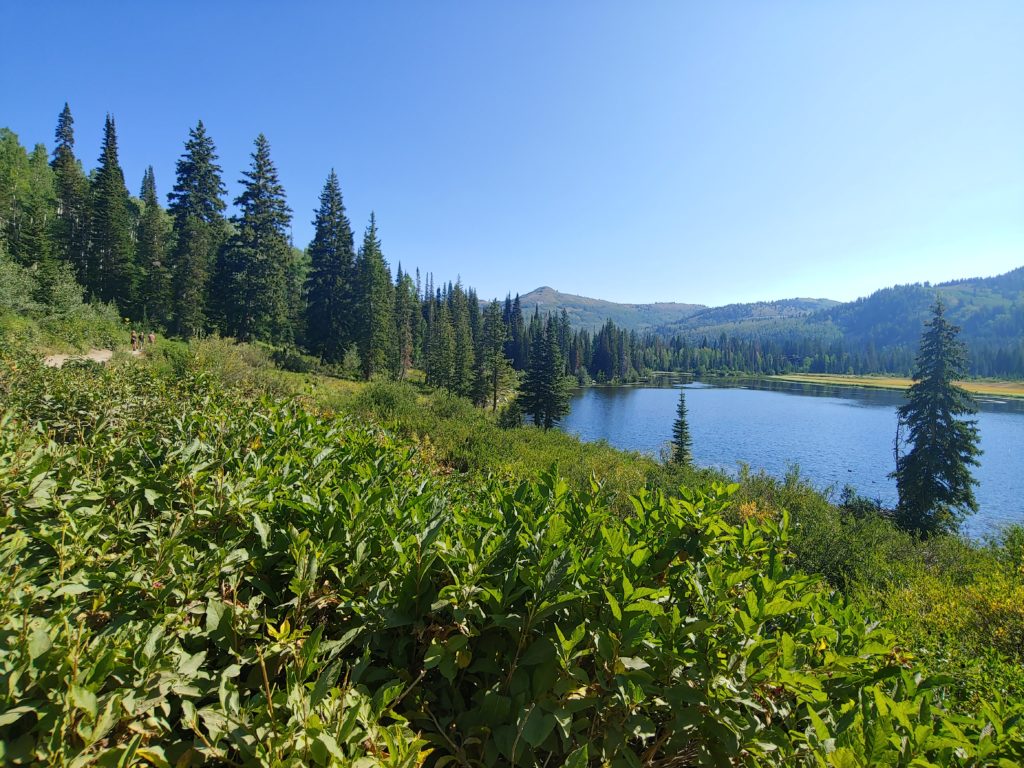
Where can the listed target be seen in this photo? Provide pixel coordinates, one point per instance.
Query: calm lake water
(835, 435)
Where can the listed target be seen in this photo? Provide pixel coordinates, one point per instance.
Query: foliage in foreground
(195, 576)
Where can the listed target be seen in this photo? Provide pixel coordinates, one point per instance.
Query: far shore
(988, 388)
(983, 387)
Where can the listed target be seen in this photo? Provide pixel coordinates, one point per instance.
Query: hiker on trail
(135, 340)
(152, 338)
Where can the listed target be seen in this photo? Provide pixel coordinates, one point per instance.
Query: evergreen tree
(545, 391)
(253, 271)
(464, 360)
(376, 298)
(70, 233)
(682, 447)
(330, 288)
(407, 314)
(517, 345)
(110, 274)
(494, 369)
(933, 478)
(197, 207)
(441, 350)
(296, 280)
(155, 275)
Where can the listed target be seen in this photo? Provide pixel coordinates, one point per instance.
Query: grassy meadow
(985, 387)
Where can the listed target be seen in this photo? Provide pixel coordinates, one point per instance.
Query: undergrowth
(200, 573)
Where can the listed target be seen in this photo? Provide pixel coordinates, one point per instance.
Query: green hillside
(987, 309)
(875, 334)
(665, 317)
(749, 313)
(592, 313)
(200, 573)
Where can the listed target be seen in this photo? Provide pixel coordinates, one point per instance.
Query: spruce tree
(330, 310)
(253, 270)
(70, 232)
(441, 350)
(407, 314)
(517, 346)
(934, 478)
(494, 368)
(296, 280)
(110, 274)
(196, 206)
(682, 446)
(155, 275)
(376, 298)
(545, 391)
(465, 359)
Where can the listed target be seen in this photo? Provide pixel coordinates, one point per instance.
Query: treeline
(192, 269)
(809, 354)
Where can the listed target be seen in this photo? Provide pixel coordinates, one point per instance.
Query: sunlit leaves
(304, 591)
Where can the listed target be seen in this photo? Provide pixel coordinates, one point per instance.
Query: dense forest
(876, 334)
(72, 240)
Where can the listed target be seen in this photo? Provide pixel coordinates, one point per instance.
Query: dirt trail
(96, 355)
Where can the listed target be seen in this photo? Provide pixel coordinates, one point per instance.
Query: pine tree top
(262, 201)
(371, 241)
(108, 153)
(65, 133)
(148, 191)
(198, 190)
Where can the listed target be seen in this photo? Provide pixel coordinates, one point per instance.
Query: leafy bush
(201, 575)
(291, 359)
(58, 319)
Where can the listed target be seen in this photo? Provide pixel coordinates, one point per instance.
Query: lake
(835, 435)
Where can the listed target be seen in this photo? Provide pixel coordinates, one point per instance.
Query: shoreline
(1013, 390)
(993, 388)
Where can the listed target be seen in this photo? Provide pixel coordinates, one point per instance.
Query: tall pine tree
(376, 301)
(465, 358)
(934, 478)
(441, 349)
(407, 315)
(330, 309)
(545, 391)
(151, 249)
(110, 275)
(196, 206)
(253, 271)
(494, 369)
(70, 233)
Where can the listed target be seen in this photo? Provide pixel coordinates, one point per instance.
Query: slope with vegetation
(591, 314)
(200, 572)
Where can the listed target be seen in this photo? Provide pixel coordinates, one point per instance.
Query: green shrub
(196, 574)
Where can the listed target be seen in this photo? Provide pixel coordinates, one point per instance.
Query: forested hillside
(876, 334)
(81, 258)
(591, 314)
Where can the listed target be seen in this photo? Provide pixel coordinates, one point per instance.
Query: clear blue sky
(655, 151)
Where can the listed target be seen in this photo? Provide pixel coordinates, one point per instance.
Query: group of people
(140, 339)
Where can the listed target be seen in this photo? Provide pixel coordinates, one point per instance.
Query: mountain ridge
(588, 312)
(985, 306)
